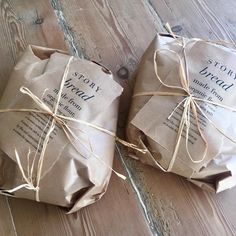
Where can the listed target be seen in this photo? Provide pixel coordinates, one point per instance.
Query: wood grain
(116, 33)
(7, 226)
(199, 18)
(29, 22)
(117, 213)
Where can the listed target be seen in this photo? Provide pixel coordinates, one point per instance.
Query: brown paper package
(211, 74)
(71, 177)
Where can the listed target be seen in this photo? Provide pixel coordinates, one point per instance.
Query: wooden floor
(116, 33)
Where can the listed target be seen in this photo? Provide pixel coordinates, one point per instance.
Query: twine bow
(60, 120)
(190, 104)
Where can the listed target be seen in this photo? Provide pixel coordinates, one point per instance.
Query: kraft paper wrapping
(71, 177)
(211, 75)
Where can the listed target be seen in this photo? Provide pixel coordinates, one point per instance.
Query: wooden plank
(7, 226)
(34, 22)
(25, 23)
(117, 213)
(204, 19)
(31, 218)
(177, 207)
(174, 206)
(116, 33)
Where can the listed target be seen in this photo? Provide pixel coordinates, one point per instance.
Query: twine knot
(33, 183)
(190, 106)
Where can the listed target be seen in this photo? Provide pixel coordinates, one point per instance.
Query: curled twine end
(46, 110)
(169, 30)
(120, 175)
(131, 145)
(23, 90)
(36, 189)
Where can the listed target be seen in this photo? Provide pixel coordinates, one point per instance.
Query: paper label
(87, 92)
(212, 77)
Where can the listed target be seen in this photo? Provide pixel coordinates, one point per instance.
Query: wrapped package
(183, 110)
(58, 119)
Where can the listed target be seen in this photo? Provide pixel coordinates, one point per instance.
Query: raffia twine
(61, 120)
(190, 103)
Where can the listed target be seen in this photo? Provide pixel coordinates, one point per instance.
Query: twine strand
(61, 120)
(190, 103)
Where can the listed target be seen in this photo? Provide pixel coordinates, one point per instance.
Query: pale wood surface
(116, 33)
(7, 224)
